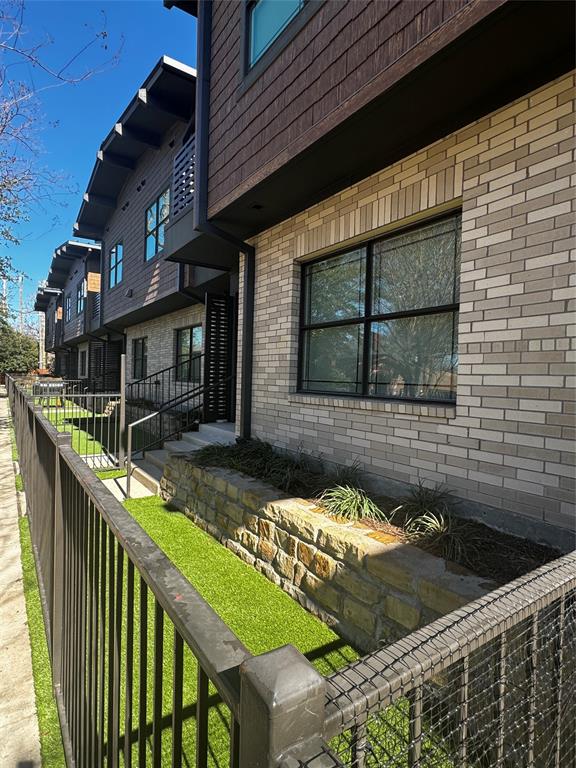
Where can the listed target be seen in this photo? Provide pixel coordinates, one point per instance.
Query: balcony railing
(183, 178)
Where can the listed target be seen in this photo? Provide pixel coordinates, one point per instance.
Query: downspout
(201, 222)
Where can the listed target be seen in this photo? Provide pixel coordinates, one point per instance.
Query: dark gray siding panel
(148, 281)
(341, 49)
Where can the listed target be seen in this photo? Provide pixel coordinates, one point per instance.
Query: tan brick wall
(160, 333)
(508, 442)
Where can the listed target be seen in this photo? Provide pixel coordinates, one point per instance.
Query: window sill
(434, 410)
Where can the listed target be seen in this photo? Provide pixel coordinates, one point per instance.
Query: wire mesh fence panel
(492, 685)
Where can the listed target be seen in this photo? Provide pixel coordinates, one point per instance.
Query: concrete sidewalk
(19, 738)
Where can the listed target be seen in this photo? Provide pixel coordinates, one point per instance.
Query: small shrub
(347, 475)
(350, 503)
(440, 532)
(422, 500)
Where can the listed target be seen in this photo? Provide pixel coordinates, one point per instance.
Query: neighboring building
(392, 183)
(70, 302)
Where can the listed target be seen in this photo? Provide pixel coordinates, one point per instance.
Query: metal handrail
(195, 356)
(186, 397)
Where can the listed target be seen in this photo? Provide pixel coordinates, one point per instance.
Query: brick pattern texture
(161, 336)
(508, 442)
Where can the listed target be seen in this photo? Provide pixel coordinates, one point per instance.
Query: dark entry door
(219, 358)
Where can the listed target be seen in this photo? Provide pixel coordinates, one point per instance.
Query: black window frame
(251, 72)
(140, 357)
(81, 297)
(185, 360)
(113, 266)
(154, 231)
(67, 308)
(83, 364)
(367, 319)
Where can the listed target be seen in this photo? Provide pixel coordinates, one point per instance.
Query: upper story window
(381, 320)
(266, 20)
(80, 297)
(156, 220)
(68, 308)
(116, 257)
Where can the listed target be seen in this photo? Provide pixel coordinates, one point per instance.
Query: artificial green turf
(15, 456)
(260, 613)
(110, 474)
(48, 722)
(264, 617)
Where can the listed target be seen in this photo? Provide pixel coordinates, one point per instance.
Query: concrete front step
(150, 469)
(148, 474)
(194, 441)
(224, 432)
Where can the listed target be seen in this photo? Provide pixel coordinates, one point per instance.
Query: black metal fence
(94, 423)
(146, 674)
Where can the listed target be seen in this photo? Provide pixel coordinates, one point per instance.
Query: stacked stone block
(366, 584)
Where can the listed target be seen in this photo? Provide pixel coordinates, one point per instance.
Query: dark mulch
(491, 554)
(487, 552)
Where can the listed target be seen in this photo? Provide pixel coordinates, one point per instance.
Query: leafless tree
(24, 181)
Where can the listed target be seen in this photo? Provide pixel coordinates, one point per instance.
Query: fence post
(122, 425)
(282, 700)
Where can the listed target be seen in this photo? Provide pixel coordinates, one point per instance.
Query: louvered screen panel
(104, 365)
(218, 358)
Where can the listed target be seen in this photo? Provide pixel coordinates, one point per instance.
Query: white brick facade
(508, 442)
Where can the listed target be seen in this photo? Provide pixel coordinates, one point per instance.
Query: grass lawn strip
(48, 722)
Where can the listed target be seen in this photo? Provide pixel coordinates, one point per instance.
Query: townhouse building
(70, 301)
(120, 292)
(393, 184)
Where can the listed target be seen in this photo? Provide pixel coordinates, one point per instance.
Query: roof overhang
(188, 6)
(65, 257)
(166, 97)
(458, 75)
(43, 298)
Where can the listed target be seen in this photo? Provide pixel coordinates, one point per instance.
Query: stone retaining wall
(366, 584)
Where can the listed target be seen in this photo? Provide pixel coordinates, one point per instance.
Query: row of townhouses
(349, 232)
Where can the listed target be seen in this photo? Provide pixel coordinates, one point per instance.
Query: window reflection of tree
(412, 356)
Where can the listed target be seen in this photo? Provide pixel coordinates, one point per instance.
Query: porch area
(145, 670)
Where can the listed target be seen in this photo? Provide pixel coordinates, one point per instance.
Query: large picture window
(139, 358)
(188, 349)
(266, 20)
(156, 220)
(381, 320)
(116, 259)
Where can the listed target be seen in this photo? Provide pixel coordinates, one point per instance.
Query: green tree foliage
(18, 352)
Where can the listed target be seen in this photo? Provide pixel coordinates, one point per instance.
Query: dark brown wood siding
(155, 279)
(343, 47)
(74, 328)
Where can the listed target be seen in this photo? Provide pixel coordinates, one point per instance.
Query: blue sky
(76, 118)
